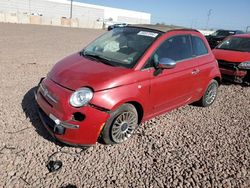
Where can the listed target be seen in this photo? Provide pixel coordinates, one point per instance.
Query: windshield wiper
(97, 57)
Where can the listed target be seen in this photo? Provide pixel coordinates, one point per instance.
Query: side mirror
(166, 63)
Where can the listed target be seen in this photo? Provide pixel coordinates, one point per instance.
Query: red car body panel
(114, 86)
(231, 56)
(76, 71)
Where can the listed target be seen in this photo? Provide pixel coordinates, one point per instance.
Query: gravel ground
(188, 147)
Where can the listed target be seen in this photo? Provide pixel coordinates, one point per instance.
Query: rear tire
(210, 94)
(121, 125)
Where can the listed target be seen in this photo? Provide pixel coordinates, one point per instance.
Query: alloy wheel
(211, 93)
(123, 127)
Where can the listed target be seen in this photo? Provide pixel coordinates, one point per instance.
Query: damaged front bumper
(237, 76)
(55, 125)
(231, 72)
(63, 121)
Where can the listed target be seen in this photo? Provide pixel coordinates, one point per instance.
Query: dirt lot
(188, 147)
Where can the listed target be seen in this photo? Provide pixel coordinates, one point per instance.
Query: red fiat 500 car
(233, 56)
(123, 78)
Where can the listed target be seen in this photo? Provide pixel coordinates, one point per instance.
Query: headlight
(81, 97)
(244, 65)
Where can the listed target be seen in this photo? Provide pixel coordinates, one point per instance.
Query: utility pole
(29, 7)
(248, 27)
(208, 17)
(71, 6)
(193, 23)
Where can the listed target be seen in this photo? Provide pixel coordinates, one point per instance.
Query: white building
(51, 12)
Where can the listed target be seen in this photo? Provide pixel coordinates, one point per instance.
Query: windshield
(122, 46)
(223, 33)
(236, 44)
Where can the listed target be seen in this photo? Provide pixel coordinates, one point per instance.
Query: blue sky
(226, 14)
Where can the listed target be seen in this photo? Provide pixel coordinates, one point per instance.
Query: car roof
(120, 24)
(162, 28)
(226, 30)
(242, 35)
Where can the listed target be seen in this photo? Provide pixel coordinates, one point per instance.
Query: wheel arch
(139, 110)
(218, 79)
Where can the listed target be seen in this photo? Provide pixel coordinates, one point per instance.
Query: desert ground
(188, 147)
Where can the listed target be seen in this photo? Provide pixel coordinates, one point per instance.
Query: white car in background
(117, 26)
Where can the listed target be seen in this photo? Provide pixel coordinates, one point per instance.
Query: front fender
(113, 98)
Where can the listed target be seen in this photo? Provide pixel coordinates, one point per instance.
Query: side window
(198, 46)
(177, 48)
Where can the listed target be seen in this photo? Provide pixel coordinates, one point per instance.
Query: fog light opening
(78, 116)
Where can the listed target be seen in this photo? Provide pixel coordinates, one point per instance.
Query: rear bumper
(59, 122)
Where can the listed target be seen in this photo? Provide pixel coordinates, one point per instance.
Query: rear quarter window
(199, 46)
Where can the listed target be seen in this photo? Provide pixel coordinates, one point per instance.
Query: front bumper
(231, 72)
(58, 116)
(233, 75)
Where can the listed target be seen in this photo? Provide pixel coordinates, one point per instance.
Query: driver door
(173, 87)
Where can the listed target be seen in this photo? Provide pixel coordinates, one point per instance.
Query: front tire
(121, 125)
(210, 94)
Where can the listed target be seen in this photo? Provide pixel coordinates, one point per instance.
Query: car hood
(232, 56)
(76, 71)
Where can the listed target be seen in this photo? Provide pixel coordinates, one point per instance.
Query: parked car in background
(117, 26)
(215, 38)
(123, 78)
(248, 29)
(233, 56)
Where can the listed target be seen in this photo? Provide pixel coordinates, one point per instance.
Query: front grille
(228, 65)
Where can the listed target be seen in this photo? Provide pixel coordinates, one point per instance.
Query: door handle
(195, 71)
